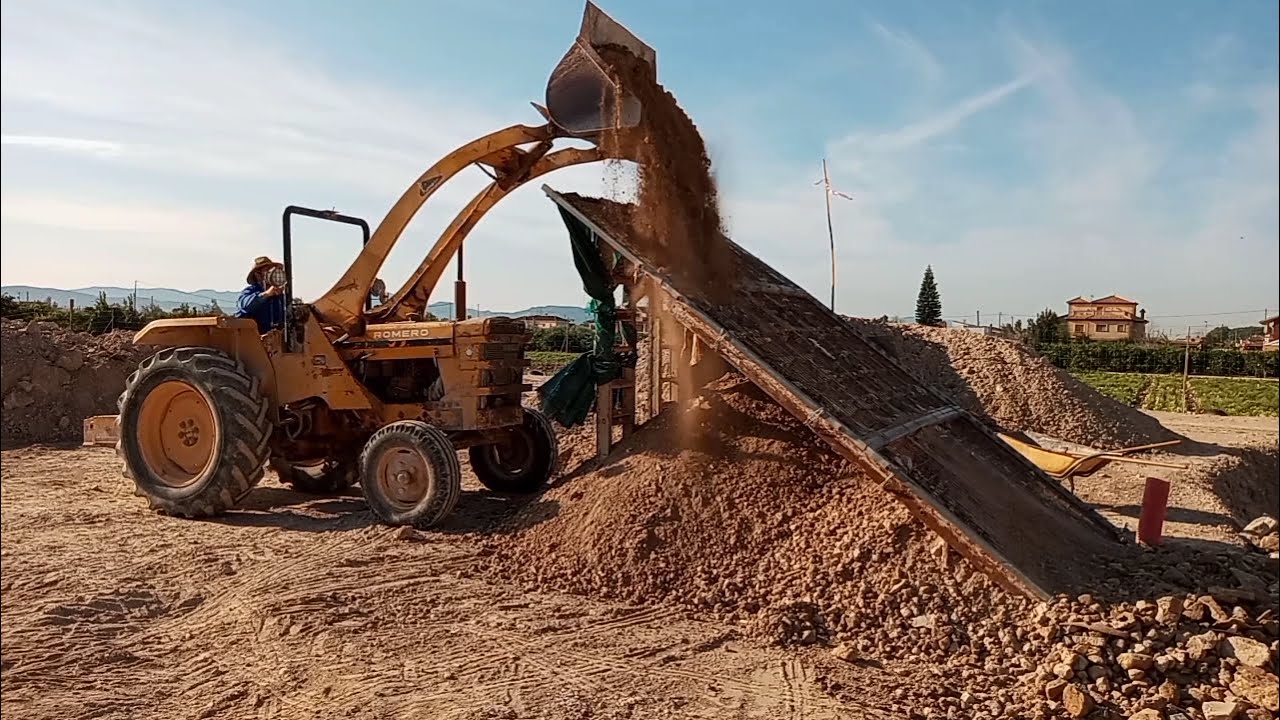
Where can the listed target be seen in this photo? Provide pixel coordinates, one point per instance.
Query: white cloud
(179, 135)
(912, 50)
(39, 209)
(1076, 201)
(940, 123)
(65, 144)
(206, 112)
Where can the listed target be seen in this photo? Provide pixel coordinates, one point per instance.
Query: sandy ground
(298, 607)
(1199, 508)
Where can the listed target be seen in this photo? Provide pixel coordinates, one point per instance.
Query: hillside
(169, 299)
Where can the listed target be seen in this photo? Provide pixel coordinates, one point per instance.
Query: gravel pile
(1003, 380)
(53, 379)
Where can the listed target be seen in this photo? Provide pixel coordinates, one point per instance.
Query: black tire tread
(438, 449)
(546, 462)
(244, 417)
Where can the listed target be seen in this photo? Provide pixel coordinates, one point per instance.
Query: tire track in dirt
(275, 613)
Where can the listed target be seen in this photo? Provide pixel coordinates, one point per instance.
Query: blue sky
(1029, 151)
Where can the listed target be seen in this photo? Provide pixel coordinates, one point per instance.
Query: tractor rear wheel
(194, 431)
(410, 474)
(328, 477)
(524, 461)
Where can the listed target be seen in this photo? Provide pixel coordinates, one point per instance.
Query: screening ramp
(995, 507)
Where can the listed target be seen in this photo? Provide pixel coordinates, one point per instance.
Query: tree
(1046, 329)
(929, 302)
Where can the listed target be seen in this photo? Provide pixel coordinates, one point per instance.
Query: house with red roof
(1112, 317)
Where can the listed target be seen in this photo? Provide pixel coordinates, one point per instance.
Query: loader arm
(412, 298)
(583, 101)
(343, 304)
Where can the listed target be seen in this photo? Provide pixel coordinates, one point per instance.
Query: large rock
(1262, 525)
(1258, 687)
(1135, 661)
(1077, 701)
(1215, 710)
(1248, 651)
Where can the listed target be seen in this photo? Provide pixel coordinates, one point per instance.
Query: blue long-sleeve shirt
(268, 312)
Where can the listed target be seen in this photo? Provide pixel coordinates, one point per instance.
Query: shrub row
(1127, 357)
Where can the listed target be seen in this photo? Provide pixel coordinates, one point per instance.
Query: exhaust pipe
(581, 98)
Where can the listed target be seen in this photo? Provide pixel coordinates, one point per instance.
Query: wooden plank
(604, 420)
(951, 471)
(628, 389)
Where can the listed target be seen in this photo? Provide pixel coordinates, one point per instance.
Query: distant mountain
(444, 310)
(169, 299)
(166, 298)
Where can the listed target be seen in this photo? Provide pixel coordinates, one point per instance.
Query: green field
(1237, 396)
(1124, 387)
(1233, 396)
(549, 362)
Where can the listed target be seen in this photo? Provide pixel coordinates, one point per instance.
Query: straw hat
(261, 263)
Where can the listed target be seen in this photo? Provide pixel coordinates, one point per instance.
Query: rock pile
(1008, 383)
(735, 510)
(54, 378)
(1178, 657)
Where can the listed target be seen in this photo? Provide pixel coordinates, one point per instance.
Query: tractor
(347, 392)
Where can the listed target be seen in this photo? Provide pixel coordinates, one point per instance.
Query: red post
(1155, 502)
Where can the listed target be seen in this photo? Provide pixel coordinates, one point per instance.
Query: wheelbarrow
(1069, 465)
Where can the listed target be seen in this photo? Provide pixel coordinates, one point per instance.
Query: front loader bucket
(581, 97)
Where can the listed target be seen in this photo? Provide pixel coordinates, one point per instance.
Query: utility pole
(977, 318)
(1186, 369)
(828, 191)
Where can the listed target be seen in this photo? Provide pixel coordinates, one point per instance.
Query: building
(1253, 342)
(1272, 332)
(1107, 318)
(545, 322)
(986, 330)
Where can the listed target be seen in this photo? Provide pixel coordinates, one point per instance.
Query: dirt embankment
(54, 378)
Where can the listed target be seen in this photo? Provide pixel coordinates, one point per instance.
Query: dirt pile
(733, 508)
(761, 525)
(677, 216)
(54, 378)
(1005, 381)
(758, 516)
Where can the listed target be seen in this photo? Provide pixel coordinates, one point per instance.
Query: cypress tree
(929, 302)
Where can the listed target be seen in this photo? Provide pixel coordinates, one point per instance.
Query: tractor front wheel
(194, 431)
(523, 461)
(410, 474)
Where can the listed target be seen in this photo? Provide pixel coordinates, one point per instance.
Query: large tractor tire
(523, 462)
(323, 478)
(194, 431)
(410, 474)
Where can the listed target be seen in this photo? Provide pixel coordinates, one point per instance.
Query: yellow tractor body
(346, 392)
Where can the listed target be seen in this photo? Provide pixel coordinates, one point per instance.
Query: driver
(263, 299)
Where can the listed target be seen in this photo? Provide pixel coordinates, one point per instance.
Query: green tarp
(570, 394)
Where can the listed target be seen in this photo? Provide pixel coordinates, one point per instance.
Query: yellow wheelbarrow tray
(1067, 464)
